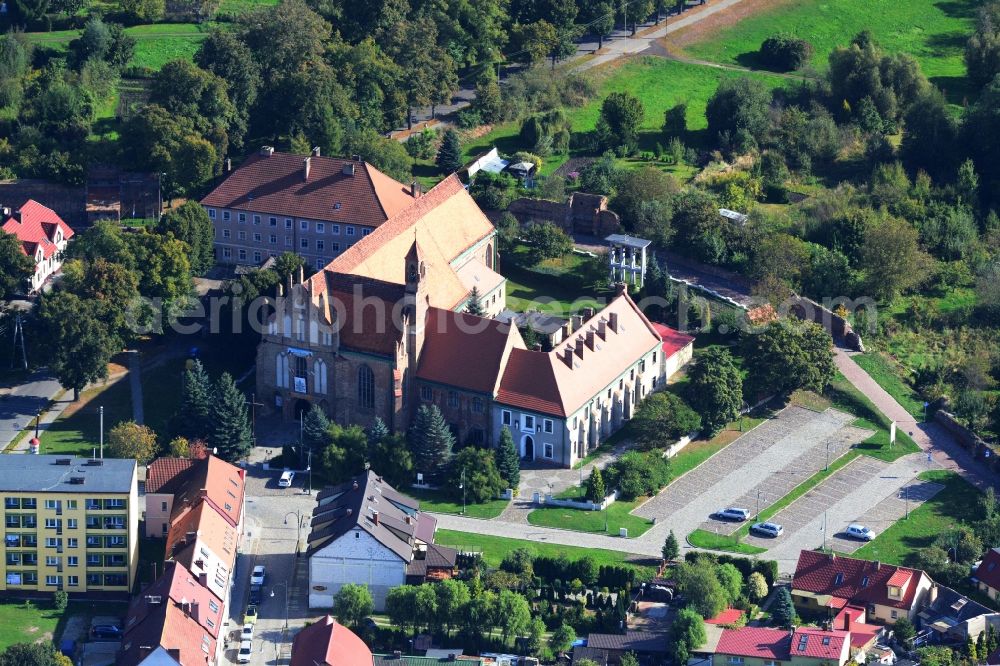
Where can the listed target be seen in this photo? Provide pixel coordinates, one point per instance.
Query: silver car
(767, 529)
(860, 532)
(733, 513)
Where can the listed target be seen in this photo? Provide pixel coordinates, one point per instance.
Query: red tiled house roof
(165, 473)
(780, 645)
(988, 571)
(673, 340)
(179, 586)
(170, 629)
(217, 482)
(329, 643)
(34, 225)
(855, 581)
(274, 184)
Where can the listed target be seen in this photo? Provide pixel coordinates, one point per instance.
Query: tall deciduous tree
(602, 21)
(190, 223)
(514, 614)
(756, 587)
(80, 345)
(701, 586)
(621, 117)
(231, 432)
(15, 266)
(431, 443)
(129, 439)
(982, 51)
(663, 417)
(785, 357)
(352, 604)
(891, 258)
(739, 109)
(473, 476)
(716, 389)
(508, 462)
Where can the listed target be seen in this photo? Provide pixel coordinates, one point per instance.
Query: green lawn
(659, 83)
(495, 548)
(234, 7)
(553, 286)
(39, 622)
(435, 500)
(844, 396)
(954, 504)
(933, 32)
(885, 374)
(712, 541)
(616, 516)
(156, 44)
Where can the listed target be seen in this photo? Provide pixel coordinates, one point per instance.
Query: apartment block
(69, 524)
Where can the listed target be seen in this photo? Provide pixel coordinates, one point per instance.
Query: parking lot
(771, 455)
(866, 491)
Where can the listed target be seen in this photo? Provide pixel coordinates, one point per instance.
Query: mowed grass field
(932, 31)
(155, 45)
(659, 83)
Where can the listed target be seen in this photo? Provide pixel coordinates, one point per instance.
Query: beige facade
(66, 537)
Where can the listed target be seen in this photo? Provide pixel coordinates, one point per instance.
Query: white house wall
(356, 557)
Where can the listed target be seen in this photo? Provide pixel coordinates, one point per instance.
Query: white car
(733, 513)
(246, 649)
(860, 532)
(247, 633)
(285, 481)
(257, 577)
(767, 529)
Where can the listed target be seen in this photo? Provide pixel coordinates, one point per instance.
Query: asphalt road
(22, 403)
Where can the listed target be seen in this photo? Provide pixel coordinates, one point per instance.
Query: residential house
(987, 574)
(172, 484)
(950, 617)
(71, 524)
(828, 583)
(315, 206)
(149, 622)
(43, 237)
(326, 642)
(365, 532)
(759, 646)
(648, 646)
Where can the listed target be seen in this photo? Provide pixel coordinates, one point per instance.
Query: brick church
(382, 329)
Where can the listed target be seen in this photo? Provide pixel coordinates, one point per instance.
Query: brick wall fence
(838, 327)
(581, 214)
(979, 447)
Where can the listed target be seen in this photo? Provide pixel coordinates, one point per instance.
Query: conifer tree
(475, 304)
(315, 429)
(596, 489)
(508, 463)
(377, 431)
(671, 549)
(449, 157)
(230, 429)
(783, 612)
(431, 443)
(193, 416)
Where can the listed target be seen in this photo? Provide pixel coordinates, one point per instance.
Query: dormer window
(838, 579)
(894, 592)
(864, 582)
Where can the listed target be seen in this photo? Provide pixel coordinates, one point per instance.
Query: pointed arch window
(366, 387)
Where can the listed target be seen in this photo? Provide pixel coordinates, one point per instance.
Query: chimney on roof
(590, 339)
(203, 579)
(933, 593)
(228, 165)
(302, 274)
(16, 215)
(409, 519)
(537, 347)
(602, 328)
(348, 169)
(576, 321)
(355, 485)
(267, 151)
(567, 357)
(375, 517)
(613, 321)
(356, 158)
(877, 565)
(315, 151)
(396, 654)
(588, 314)
(6, 211)
(306, 163)
(621, 288)
(414, 189)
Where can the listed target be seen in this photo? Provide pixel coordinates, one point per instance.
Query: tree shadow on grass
(956, 89)
(959, 8)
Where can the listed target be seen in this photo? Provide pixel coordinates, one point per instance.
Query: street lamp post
(462, 485)
(827, 456)
(758, 504)
(299, 518)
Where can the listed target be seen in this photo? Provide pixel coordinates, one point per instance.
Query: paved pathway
(135, 386)
(930, 437)
(20, 404)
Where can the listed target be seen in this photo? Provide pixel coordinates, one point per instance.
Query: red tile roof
(37, 225)
(275, 185)
(900, 578)
(673, 340)
(857, 581)
(781, 645)
(989, 569)
(529, 383)
(178, 585)
(163, 471)
(169, 628)
(466, 351)
(754, 642)
(728, 616)
(329, 643)
(217, 482)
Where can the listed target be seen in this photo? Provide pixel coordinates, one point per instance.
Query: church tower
(416, 303)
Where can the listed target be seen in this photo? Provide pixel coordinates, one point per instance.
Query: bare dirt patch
(675, 42)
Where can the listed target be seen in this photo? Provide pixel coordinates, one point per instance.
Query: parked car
(286, 478)
(732, 513)
(107, 632)
(246, 649)
(255, 595)
(767, 529)
(257, 577)
(250, 616)
(860, 532)
(246, 634)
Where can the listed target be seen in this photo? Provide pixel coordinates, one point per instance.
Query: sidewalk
(940, 446)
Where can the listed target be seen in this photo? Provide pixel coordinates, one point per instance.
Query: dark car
(255, 595)
(106, 632)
